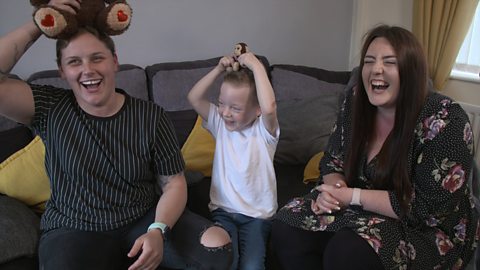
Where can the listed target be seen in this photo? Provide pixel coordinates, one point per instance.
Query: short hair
(103, 37)
(243, 76)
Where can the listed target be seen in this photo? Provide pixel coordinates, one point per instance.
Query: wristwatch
(164, 228)
(356, 197)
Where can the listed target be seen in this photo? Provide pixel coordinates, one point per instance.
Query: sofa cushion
(13, 140)
(307, 108)
(199, 149)
(6, 124)
(19, 232)
(169, 83)
(291, 82)
(23, 176)
(129, 77)
(312, 171)
(183, 122)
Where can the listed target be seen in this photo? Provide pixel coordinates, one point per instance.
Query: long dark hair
(392, 170)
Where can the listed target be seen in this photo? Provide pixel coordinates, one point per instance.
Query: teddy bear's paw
(115, 19)
(53, 22)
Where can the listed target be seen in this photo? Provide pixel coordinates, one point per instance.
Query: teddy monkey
(239, 49)
(113, 18)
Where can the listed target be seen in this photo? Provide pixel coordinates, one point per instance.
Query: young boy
(243, 194)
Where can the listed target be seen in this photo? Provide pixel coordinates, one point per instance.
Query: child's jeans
(249, 238)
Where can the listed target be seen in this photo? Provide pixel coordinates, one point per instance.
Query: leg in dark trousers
(296, 248)
(347, 250)
(70, 249)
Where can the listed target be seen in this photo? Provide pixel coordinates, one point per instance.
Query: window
(467, 65)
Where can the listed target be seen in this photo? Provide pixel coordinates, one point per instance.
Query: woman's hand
(71, 6)
(150, 246)
(326, 201)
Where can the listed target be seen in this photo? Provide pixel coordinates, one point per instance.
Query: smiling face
(89, 67)
(380, 74)
(236, 106)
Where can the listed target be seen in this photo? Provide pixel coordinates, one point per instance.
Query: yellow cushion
(198, 149)
(311, 172)
(23, 176)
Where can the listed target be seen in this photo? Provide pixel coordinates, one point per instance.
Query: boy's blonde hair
(244, 76)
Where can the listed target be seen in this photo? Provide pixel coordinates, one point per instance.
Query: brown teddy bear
(113, 18)
(239, 49)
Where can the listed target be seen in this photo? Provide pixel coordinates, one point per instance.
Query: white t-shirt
(243, 177)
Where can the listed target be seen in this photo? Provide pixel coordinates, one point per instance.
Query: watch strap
(356, 197)
(164, 228)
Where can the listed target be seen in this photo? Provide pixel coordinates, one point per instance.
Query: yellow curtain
(441, 26)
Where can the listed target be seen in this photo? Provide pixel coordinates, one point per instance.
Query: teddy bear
(110, 16)
(239, 49)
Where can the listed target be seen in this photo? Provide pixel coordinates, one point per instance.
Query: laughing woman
(393, 192)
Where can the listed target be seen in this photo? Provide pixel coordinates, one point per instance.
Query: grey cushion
(6, 124)
(170, 87)
(130, 78)
(292, 85)
(19, 230)
(305, 126)
(169, 83)
(307, 109)
(13, 140)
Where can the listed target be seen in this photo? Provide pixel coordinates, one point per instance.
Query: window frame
(458, 73)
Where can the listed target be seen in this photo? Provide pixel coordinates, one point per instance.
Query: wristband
(162, 227)
(356, 197)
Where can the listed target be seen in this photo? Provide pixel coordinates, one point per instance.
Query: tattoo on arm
(163, 180)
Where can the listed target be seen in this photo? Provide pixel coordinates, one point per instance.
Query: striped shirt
(102, 170)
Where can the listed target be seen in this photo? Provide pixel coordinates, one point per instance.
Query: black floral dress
(441, 230)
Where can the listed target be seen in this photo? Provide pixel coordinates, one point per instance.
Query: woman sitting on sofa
(106, 153)
(393, 192)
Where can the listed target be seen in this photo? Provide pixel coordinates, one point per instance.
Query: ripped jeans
(249, 238)
(65, 248)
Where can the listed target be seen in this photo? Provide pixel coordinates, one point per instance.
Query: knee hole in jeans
(215, 237)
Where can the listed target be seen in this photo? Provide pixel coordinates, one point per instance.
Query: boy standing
(243, 194)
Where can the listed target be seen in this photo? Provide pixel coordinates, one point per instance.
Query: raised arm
(265, 94)
(197, 95)
(16, 100)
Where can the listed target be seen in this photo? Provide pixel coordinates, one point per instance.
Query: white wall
(303, 32)
(368, 13)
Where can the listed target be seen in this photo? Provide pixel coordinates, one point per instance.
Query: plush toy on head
(110, 16)
(239, 49)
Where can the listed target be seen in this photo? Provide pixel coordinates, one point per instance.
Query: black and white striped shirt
(102, 170)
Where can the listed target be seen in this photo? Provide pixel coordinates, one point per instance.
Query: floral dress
(441, 229)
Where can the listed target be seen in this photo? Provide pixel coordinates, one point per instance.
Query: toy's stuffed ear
(55, 23)
(115, 19)
(112, 19)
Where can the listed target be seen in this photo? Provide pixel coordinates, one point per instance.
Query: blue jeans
(249, 238)
(65, 248)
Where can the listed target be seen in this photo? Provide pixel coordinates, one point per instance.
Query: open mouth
(379, 85)
(91, 84)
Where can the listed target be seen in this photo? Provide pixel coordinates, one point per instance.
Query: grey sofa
(307, 102)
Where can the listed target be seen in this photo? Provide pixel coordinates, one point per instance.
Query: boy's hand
(249, 60)
(225, 62)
